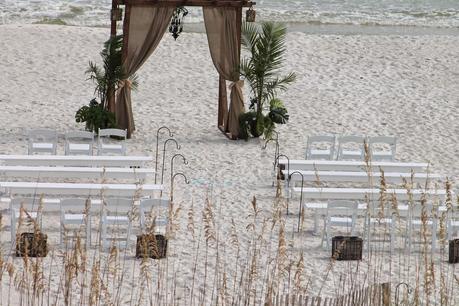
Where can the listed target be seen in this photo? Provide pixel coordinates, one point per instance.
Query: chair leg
(128, 235)
(61, 238)
(13, 231)
(324, 234)
(434, 236)
(88, 233)
(392, 236)
(103, 235)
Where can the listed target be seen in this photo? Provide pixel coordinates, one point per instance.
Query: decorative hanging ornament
(250, 15)
(176, 26)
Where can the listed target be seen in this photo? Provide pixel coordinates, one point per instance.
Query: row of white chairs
(381, 224)
(381, 148)
(77, 216)
(77, 142)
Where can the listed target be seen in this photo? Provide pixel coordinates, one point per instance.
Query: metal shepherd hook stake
(172, 183)
(301, 196)
(287, 178)
(172, 162)
(164, 156)
(157, 146)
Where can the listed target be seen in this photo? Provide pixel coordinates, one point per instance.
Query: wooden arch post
(239, 4)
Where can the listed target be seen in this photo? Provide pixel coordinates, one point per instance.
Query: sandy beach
(405, 86)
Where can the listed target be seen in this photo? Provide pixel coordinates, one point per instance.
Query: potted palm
(108, 78)
(266, 44)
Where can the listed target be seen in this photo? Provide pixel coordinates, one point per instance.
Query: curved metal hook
(173, 180)
(288, 171)
(164, 155)
(172, 162)
(157, 147)
(300, 209)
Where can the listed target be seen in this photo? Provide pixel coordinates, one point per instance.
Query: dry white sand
(370, 85)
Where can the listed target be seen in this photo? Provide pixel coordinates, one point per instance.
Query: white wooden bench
(320, 210)
(120, 190)
(76, 172)
(342, 165)
(358, 176)
(365, 193)
(75, 160)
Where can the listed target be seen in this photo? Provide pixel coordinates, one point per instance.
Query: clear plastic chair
(340, 213)
(351, 148)
(31, 214)
(422, 216)
(42, 141)
(116, 217)
(380, 225)
(79, 143)
(75, 213)
(320, 147)
(154, 208)
(111, 147)
(382, 148)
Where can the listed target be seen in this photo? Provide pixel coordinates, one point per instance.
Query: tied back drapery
(146, 27)
(222, 34)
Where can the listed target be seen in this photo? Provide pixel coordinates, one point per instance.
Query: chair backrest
(108, 147)
(79, 137)
(29, 204)
(74, 205)
(416, 210)
(353, 143)
(379, 144)
(376, 210)
(158, 208)
(118, 206)
(342, 207)
(112, 132)
(42, 136)
(147, 205)
(321, 142)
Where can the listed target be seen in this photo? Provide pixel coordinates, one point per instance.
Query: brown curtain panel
(222, 35)
(146, 28)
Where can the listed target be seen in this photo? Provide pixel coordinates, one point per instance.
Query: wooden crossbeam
(227, 3)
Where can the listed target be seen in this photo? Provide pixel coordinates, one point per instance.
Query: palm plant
(266, 44)
(109, 77)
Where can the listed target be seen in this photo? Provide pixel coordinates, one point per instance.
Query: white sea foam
(425, 13)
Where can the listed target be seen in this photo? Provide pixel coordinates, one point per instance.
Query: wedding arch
(144, 24)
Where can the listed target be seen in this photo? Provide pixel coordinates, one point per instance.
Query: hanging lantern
(117, 14)
(250, 15)
(176, 26)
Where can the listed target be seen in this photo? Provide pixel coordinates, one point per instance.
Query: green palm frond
(111, 73)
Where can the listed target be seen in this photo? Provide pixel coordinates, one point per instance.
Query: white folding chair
(320, 147)
(117, 214)
(107, 147)
(382, 148)
(157, 209)
(79, 143)
(42, 141)
(75, 213)
(418, 214)
(351, 148)
(380, 225)
(340, 213)
(30, 215)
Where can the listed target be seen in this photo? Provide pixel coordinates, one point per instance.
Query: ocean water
(397, 13)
